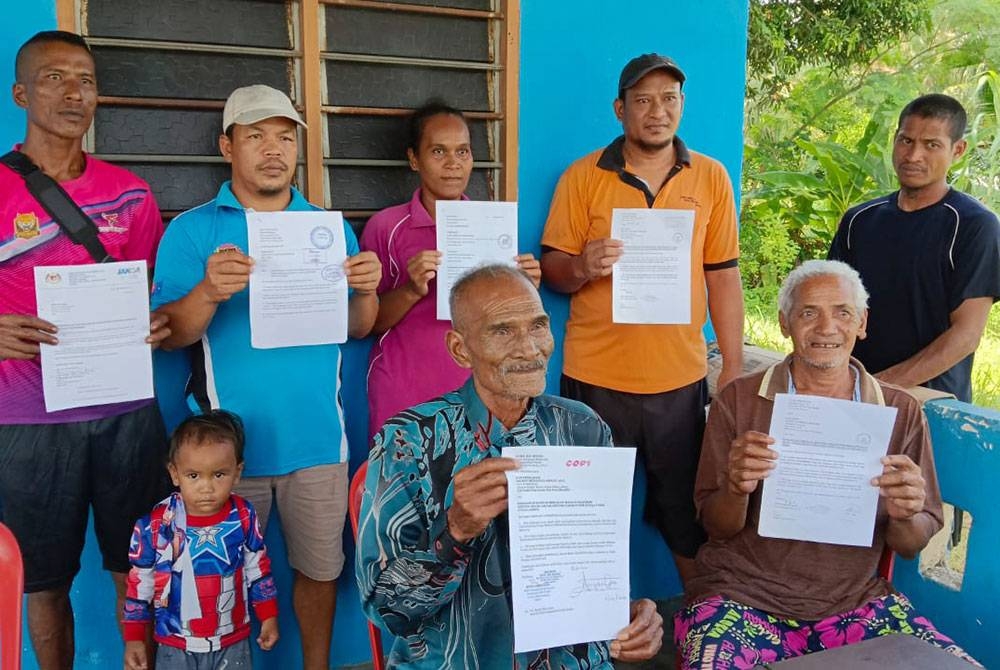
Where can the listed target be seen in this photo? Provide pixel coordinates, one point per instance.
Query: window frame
(307, 49)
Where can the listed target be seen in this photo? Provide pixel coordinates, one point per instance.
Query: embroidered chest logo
(110, 224)
(26, 226)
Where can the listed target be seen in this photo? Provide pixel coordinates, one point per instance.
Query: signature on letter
(593, 585)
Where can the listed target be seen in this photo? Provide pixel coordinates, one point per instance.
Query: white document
(569, 544)
(828, 451)
(102, 313)
(651, 282)
(298, 290)
(471, 233)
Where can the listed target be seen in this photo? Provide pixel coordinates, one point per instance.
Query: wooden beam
(312, 100)
(414, 9)
(66, 16)
(510, 57)
(398, 111)
(160, 103)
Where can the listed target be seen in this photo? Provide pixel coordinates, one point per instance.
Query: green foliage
(978, 172)
(787, 35)
(793, 214)
(827, 145)
(826, 81)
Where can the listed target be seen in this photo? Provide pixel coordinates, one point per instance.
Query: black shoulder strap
(54, 200)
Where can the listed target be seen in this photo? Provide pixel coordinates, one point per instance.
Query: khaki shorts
(313, 506)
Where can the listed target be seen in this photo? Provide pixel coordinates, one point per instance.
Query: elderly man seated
(759, 599)
(433, 553)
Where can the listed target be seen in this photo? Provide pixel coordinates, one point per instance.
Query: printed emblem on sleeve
(26, 226)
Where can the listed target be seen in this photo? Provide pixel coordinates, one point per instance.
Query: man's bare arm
(724, 513)
(749, 461)
(227, 272)
(960, 339)
(567, 273)
(904, 489)
(725, 302)
(364, 271)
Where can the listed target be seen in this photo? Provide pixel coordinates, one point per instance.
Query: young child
(198, 559)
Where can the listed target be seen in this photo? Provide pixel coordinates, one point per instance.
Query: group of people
(445, 398)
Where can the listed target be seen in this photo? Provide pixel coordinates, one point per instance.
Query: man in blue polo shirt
(928, 254)
(289, 398)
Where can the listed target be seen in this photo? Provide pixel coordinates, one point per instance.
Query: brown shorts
(313, 506)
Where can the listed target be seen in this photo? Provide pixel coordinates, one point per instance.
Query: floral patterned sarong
(722, 634)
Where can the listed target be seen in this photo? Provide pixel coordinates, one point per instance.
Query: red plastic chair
(11, 594)
(355, 493)
(885, 563)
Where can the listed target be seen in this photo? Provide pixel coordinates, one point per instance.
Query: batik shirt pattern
(448, 602)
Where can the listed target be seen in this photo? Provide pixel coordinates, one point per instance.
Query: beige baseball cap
(251, 104)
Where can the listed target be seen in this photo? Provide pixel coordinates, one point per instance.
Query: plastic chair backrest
(355, 493)
(886, 563)
(11, 595)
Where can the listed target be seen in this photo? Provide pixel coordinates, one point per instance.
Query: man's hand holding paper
(750, 460)
(479, 495)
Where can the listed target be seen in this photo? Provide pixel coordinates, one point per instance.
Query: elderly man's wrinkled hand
(643, 637)
(750, 461)
(480, 494)
(903, 486)
(530, 266)
(364, 272)
(20, 335)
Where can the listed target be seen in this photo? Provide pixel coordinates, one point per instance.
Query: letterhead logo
(131, 270)
(53, 278)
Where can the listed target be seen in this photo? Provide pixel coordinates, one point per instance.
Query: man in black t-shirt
(928, 254)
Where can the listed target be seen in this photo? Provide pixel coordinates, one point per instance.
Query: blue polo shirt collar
(226, 198)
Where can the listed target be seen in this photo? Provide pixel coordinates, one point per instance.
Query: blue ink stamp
(321, 237)
(332, 273)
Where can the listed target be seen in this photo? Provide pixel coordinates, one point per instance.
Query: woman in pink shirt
(409, 362)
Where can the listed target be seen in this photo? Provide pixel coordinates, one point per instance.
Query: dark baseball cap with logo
(640, 66)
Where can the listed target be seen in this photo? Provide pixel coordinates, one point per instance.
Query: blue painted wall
(21, 21)
(571, 56)
(966, 442)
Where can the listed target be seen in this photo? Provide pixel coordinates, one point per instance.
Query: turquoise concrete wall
(571, 56)
(966, 442)
(21, 21)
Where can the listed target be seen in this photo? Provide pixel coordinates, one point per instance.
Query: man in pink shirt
(55, 466)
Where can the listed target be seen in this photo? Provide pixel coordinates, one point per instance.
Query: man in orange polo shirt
(648, 381)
